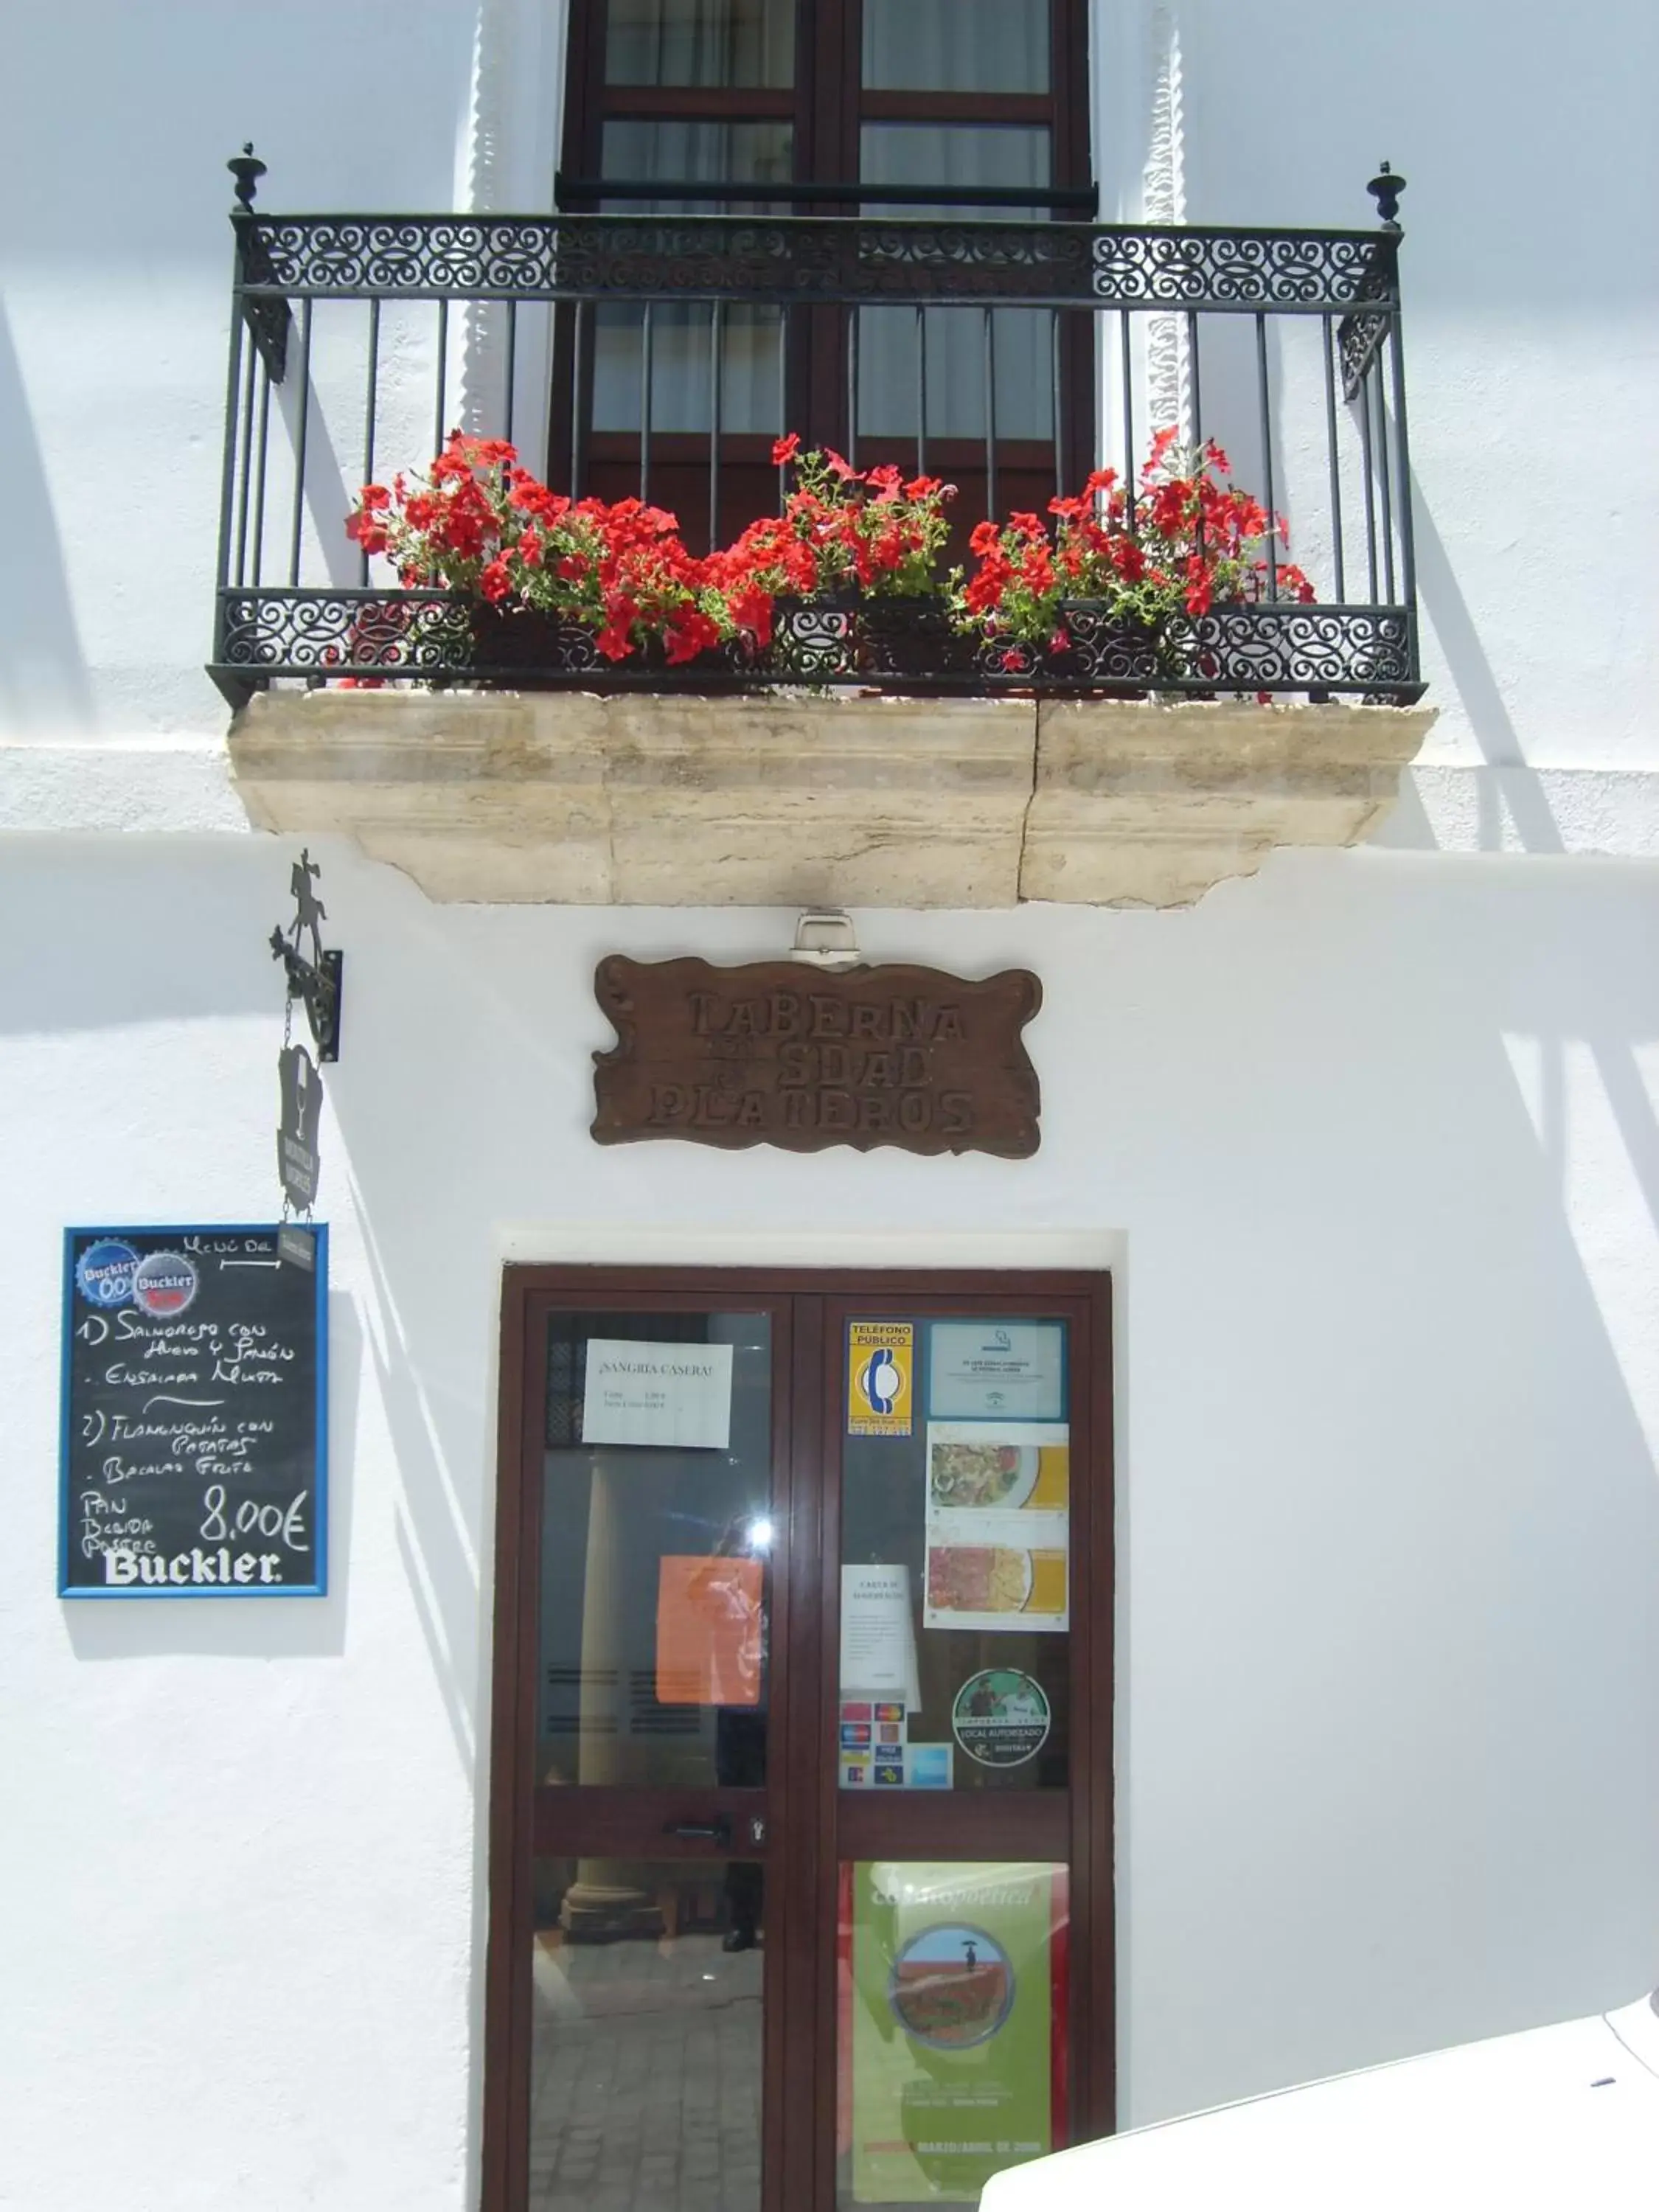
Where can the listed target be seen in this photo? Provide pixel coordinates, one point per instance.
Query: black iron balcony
(660, 353)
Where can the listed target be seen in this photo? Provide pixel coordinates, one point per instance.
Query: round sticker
(104, 1272)
(164, 1284)
(1001, 1718)
(951, 1986)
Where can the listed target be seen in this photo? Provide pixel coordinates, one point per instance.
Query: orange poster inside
(709, 1632)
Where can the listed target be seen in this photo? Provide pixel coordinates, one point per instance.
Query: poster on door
(997, 1525)
(880, 1377)
(952, 2054)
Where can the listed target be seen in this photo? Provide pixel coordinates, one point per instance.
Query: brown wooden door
(800, 1871)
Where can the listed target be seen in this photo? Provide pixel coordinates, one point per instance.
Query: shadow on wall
(43, 676)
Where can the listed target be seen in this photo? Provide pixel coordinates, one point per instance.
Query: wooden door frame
(806, 1809)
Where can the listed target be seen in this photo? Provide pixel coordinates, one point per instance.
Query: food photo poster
(997, 1525)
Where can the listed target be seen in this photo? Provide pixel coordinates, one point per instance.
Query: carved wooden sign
(778, 1054)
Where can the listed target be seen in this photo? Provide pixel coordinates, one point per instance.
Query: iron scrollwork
(832, 258)
(1277, 646)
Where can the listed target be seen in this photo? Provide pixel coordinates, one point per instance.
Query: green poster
(952, 1997)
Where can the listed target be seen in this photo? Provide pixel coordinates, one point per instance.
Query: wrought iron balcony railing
(662, 352)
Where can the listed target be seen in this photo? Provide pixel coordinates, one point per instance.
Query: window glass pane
(1022, 364)
(682, 368)
(956, 1565)
(958, 154)
(956, 46)
(656, 1577)
(701, 42)
(1012, 156)
(672, 151)
(645, 2084)
(951, 2000)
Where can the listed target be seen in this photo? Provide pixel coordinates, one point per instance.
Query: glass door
(964, 1733)
(800, 1861)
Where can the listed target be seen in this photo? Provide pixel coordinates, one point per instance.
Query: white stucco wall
(1381, 1219)
(1370, 1142)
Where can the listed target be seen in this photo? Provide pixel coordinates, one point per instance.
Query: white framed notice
(658, 1394)
(996, 1371)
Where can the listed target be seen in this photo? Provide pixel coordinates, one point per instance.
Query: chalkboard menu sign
(195, 1442)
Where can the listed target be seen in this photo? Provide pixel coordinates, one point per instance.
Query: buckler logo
(893, 1056)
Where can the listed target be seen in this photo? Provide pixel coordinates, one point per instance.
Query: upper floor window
(918, 108)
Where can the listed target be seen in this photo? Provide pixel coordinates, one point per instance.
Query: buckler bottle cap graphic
(165, 1283)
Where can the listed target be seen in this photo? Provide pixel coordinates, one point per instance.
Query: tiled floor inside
(645, 2077)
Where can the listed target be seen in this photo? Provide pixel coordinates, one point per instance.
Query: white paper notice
(658, 1394)
(878, 1634)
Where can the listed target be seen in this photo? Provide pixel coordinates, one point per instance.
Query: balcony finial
(1385, 189)
(248, 169)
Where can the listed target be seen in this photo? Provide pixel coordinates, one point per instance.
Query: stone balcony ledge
(798, 799)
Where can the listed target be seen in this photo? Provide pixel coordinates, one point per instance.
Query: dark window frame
(826, 107)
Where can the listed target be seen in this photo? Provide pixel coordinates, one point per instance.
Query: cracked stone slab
(1152, 803)
(808, 798)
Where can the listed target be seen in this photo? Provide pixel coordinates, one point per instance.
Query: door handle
(699, 1832)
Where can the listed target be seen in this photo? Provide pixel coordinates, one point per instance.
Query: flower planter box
(895, 640)
(529, 650)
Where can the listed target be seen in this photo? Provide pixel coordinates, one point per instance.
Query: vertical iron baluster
(783, 388)
(1370, 491)
(714, 314)
(299, 443)
(258, 559)
(512, 365)
(990, 415)
(227, 486)
(1128, 421)
(1053, 402)
(245, 489)
(647, 371)
(852, 386)
(921, 391)
(443, 373)
(1193, 377)
(1402, 449)
(1266, 454)
(1197, 389)
(576, 440)
(1328, 335)
(368, 415)
(1374, 381)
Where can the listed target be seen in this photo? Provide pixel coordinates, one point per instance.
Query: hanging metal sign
(297, 1162)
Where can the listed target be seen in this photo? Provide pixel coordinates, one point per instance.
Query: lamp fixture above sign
(825, 938)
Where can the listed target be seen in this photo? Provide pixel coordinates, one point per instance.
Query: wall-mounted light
(826, 939)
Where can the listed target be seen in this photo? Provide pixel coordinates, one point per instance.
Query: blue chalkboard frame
(319, 1230)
